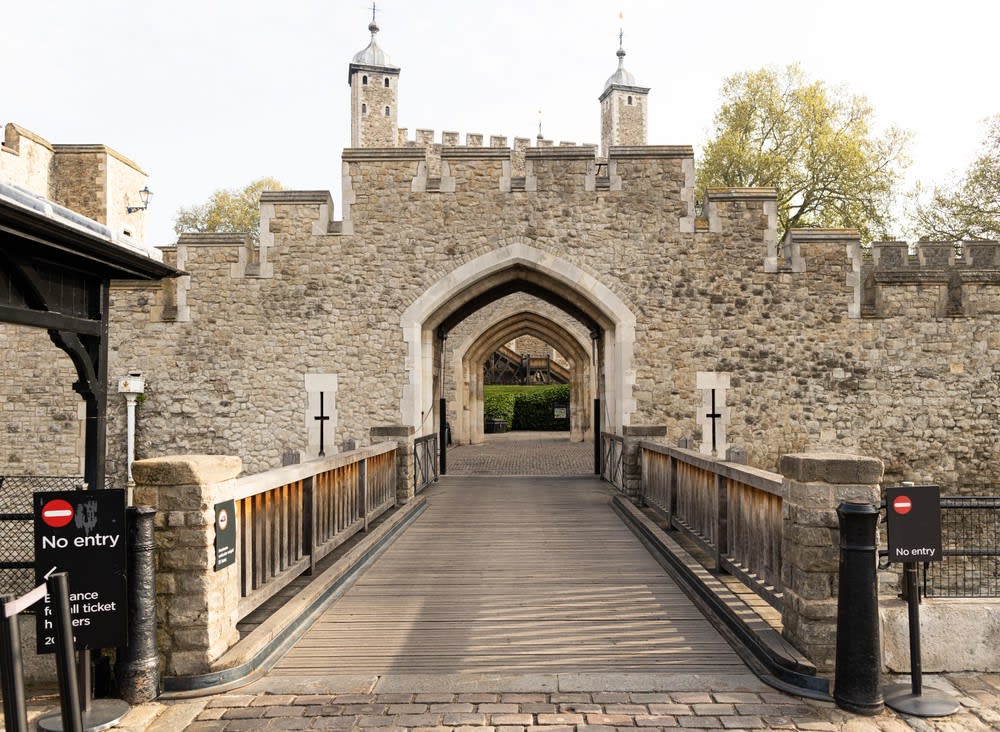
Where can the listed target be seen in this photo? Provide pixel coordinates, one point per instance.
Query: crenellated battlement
(449, 168)
(425, 139)
(948, 279)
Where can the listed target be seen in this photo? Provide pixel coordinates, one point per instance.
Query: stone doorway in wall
(522, 387)
(455, 330)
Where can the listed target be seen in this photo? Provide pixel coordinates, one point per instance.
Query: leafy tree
(227, 210)
(813, 143)
(969, 209)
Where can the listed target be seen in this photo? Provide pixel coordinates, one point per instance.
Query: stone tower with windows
(623, 108)
(373, 81)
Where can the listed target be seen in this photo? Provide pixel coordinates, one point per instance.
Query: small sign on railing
(225, 534)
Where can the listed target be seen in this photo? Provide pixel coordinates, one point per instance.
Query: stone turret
(373, 80)
(623, 108)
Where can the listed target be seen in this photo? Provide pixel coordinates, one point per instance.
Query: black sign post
(913, 528)
(82, 533)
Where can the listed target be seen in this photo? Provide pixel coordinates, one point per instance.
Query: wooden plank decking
(513, 575)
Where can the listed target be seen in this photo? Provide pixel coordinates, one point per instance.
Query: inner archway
(517, 267)
(467, 366)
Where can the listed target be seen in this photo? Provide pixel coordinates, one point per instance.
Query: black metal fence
(612, 457)
(970, 543)
(17, 541)
(425, 465)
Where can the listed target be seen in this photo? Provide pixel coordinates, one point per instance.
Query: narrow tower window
(387, 82)
(386, 111)
(630, 99)
(364, 109)
(364, 80)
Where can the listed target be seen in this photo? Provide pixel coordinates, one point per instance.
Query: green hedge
(527, 407)
(498, 405)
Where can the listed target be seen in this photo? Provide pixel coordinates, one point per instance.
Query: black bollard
(137, 668)
(442, 426)
(859, 657)
(597, 437)
(69, 691)
(12, 670)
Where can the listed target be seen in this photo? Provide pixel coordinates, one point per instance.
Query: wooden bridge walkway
(513, 576)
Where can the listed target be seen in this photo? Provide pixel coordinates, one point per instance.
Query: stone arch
(467, 365)
(518, 266)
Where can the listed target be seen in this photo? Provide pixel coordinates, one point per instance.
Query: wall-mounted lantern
(145, 194)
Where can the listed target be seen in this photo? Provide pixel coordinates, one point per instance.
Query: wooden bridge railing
(731, 511)
(289, 518)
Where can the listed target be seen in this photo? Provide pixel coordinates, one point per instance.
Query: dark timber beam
(49, 320)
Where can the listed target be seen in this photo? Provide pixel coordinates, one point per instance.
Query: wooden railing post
(363, 489)
(721, 521)
(309, 522)
(671, 498)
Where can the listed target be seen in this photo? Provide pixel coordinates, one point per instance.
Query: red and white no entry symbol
(902, 505)
(57, 513)
(223, 519)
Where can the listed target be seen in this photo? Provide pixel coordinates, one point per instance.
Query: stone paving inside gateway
(523, 453)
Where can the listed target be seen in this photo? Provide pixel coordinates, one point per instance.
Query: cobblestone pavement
(523, 453)
(761, 708)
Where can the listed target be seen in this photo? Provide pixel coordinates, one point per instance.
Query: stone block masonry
(919, 389)
(815, 484)
(197, 608)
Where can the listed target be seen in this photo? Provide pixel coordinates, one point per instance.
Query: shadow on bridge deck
(529, 577)
(523, 453)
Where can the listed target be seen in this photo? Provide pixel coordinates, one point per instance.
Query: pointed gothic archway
(467, 366)
(518, 267)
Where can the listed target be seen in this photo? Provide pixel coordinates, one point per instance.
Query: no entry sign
(83, 533)
(913, 523)
(57, 513)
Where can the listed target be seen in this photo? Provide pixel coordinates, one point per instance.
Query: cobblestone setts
(523, 453)
(580, 712)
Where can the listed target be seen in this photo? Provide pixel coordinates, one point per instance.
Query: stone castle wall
(26, 159)
(91, 180)
(42, 430)
(533, 346)
(809, 366)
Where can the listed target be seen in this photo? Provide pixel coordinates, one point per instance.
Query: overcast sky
(216, 93)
